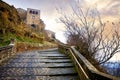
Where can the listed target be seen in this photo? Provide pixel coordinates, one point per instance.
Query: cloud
(106, 7)
(109, 7)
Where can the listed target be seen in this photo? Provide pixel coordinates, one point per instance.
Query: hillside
(8, 17)
(11, 26)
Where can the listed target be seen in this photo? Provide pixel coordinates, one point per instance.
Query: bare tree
(85, 30)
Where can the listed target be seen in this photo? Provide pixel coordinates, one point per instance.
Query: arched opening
(33, 25)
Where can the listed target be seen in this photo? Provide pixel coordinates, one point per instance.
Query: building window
(33, 17)
(33, 25)
(30, 11)
(36, 12)
(33, 12)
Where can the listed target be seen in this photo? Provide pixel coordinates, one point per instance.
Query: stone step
(41, 57)
(47, 52)
(71, 77)
(52, 54)
(39, 60)
(38, 65)
(37, 71)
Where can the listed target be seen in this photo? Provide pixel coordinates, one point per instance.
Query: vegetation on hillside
(11, 26)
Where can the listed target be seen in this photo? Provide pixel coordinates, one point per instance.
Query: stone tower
(33, 17)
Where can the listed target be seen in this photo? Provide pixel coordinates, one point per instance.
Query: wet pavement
(39, 65)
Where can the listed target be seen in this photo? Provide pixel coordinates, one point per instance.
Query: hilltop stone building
(33, 16)
(33, 19)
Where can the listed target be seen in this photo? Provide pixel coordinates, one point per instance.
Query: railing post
(6, 52)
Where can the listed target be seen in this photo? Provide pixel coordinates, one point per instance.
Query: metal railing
(6, 52)
(85, 69)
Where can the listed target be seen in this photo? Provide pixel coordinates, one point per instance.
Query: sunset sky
(109, 9)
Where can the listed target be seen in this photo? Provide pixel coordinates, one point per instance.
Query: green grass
(5, 39)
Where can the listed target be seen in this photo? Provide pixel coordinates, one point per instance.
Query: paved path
(39, 65)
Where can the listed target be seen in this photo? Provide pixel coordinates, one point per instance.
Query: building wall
(33, 16)
(49, 35)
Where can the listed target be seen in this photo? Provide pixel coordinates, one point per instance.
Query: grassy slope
(12, 27)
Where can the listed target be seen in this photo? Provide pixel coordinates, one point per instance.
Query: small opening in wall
(33, 12)
(33, 25)
(30, 11)
(33, 17)
(36, 12)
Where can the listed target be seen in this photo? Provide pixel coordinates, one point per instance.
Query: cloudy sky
(110, 9)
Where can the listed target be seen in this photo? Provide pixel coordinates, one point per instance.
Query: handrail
(94, 73)
(85, 69)
(79, 67)
(5, 53)
(5, 47)
(67, 50)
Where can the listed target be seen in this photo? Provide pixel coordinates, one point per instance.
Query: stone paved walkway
(39, 65)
